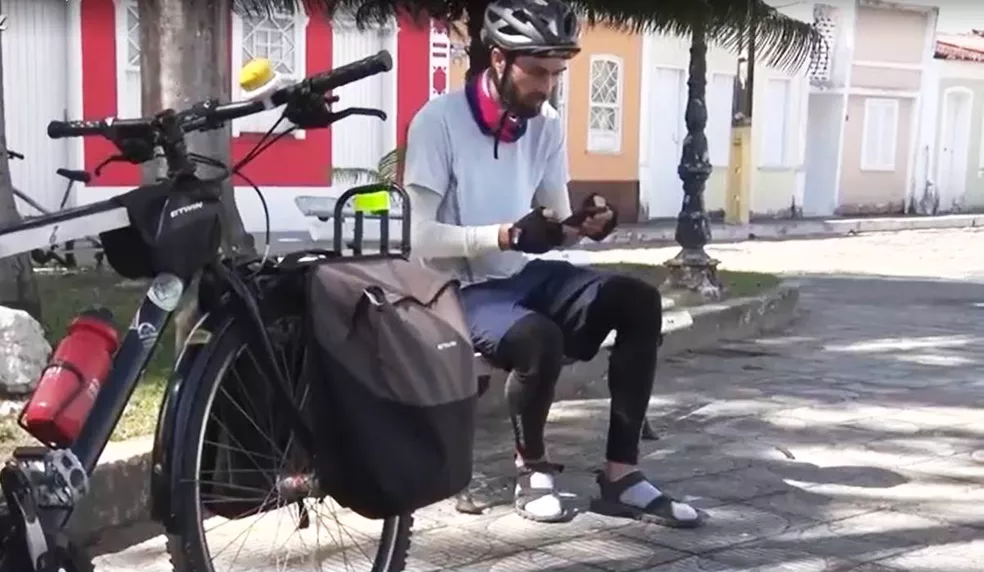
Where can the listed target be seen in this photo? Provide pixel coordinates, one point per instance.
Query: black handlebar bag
(390, 366)
(175, 227)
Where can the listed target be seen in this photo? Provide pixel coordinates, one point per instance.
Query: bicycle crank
(38, 478)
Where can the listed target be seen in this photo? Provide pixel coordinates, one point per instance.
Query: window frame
(123, 66)
(606, 141)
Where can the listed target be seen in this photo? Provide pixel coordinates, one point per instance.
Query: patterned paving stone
(851, 442)
(614, 553)
(725, 526)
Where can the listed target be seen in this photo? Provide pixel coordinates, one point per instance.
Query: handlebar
(307, 107)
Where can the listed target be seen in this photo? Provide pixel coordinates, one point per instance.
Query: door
(954, 146)
(35, 60)
(359, 142)
(666, 132)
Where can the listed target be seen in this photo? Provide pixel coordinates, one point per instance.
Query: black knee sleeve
(534, 345)
(629, 306)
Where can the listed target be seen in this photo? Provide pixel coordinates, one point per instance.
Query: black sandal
(525, 493)
(659, 511)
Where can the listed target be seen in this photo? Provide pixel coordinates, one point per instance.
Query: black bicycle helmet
(546, 28)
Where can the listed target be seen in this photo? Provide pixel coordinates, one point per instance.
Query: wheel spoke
(259, 467)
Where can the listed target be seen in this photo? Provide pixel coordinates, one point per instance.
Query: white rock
(24, 351)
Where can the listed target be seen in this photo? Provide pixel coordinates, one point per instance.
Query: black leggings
(533, 351)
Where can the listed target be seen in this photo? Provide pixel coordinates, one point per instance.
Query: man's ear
(498, 59)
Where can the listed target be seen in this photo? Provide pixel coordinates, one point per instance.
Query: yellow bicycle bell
(258, 79)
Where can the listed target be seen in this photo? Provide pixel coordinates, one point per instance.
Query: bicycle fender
(175, 412)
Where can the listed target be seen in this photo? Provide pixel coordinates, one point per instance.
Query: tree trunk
(184, 60)
(18, 289)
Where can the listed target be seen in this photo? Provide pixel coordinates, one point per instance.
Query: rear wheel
(260, 513)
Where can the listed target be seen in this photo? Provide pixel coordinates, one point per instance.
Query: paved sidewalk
(849, 444)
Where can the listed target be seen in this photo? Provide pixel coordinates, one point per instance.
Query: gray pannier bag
(390, 366)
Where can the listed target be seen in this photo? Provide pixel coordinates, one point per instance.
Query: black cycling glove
(535, 233)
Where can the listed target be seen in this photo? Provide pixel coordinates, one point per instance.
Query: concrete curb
(710, 324)
(119, 491)
(642, 235)
(120, 487)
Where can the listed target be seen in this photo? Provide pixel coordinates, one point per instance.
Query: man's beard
(526, 109)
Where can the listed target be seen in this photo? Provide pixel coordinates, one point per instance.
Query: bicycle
(247, 306)
(41, 256)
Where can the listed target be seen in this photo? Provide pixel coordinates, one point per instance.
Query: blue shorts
(558, 290)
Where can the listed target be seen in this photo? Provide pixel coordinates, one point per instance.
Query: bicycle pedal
(56, 476)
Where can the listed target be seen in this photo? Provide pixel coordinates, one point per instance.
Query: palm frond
(355, 175)
(387, 170)
(389, 166)
(781, 41)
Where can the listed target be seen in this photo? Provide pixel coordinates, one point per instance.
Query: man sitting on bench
(480, 157)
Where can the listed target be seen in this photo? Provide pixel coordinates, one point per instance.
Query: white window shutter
(879, 140)
(773, 146)
(718, 130)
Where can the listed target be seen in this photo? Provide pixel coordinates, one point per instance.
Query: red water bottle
(69, 383)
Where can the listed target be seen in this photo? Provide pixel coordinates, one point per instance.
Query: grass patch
(63, 296)
(737, 284)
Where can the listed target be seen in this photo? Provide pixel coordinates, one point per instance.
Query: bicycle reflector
(372, 202)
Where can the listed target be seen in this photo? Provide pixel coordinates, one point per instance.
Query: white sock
(548, 506)
(642, 493)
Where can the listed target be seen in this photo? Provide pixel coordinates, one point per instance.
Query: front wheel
(242, 503)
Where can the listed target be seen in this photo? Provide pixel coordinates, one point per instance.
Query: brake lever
(365, 111)
(107, 161)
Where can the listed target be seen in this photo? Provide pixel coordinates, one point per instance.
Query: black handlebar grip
(61, 129)
(361, 69)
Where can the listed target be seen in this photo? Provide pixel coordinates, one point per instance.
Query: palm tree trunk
(18, 289)
(184, 60)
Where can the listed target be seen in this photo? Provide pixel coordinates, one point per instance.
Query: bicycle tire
(187, 548)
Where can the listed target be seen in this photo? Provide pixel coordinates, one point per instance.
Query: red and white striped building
(95, 42)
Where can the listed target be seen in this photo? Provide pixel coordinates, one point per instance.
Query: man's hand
(596, 219)
(595, 224)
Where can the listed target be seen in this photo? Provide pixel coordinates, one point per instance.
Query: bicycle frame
(140, 341)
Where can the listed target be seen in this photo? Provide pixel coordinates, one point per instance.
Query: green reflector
(372, 202)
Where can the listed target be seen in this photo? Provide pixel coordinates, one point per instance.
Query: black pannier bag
(175, 227)
(391, 372)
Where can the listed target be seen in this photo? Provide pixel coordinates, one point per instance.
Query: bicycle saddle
(73, 175)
